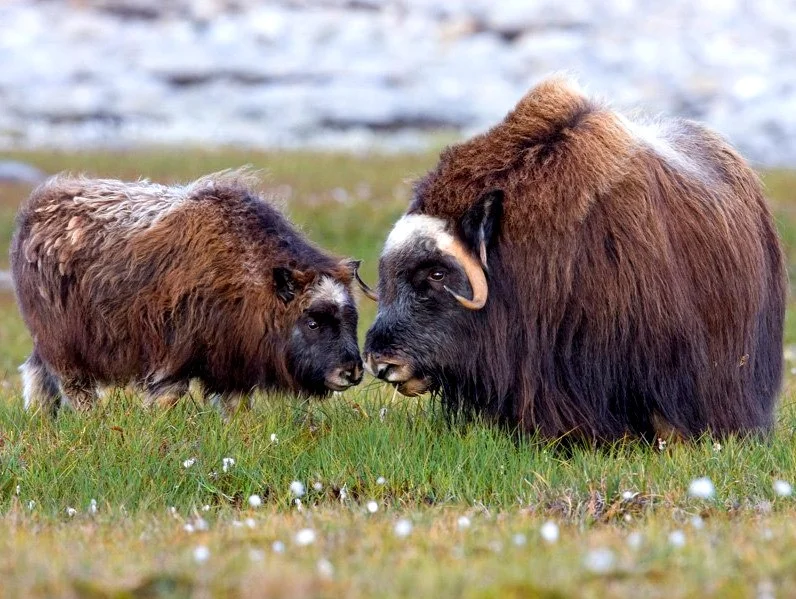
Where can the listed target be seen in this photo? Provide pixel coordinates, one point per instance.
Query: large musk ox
(149, 285)
(576, 273)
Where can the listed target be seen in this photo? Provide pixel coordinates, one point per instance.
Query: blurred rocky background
(390, 74)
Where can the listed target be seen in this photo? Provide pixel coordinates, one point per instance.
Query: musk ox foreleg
(229, 403)
(164, 394)
(39, 385)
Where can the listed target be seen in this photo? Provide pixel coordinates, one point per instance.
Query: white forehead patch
(412, 226)
(329, 290)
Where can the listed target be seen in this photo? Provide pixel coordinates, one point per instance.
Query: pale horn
(474, 271)
(364, 286)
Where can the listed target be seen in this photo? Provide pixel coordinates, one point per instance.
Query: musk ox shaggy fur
(152, 286)
(573, 272)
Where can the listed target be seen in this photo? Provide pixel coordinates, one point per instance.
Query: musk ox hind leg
(39, 386)
(78, 392)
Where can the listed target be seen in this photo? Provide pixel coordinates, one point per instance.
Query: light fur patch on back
(411, 227)
(329, 290)
(655, 136)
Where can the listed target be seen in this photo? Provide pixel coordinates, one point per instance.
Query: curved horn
(475, 275)
(364, 286)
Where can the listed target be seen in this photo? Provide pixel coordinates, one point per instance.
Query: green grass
(738, 543)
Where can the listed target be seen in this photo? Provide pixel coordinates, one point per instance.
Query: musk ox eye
(436, 275)
(312, 324)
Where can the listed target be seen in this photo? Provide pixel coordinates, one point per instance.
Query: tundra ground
(394, 500)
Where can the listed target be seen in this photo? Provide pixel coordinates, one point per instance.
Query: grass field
(396, 501)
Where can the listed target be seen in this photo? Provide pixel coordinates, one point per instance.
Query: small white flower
(201, 554)
(251, 522)
(18, 489)
(463, 522)
(325, 568)
(189, 528)
(549, 531)
(697, 522)
(306, 536)
(278, 547)
(227, 463)
(297, 488)
(92, 506)
(599, 560)
(381, 481)
(299, 506)
(189, 462)
(343, 493)
(372, 507)
(256, 555)
(317, 485)
(403, 528)
(661, 444)
(782, 488)
(255, 501)
(172, 510)
(31, 504)
(702, 488)
(382, 414)
(677, 538)
(519, 539)
(274, 438)
(201, 524)
(628, 495)
(70, 511)
(717, 447)
(634, 539)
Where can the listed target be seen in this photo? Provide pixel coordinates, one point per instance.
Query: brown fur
(632, 287)
(152, 285)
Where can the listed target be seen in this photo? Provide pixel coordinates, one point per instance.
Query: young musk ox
(149, 285)
(575, 273)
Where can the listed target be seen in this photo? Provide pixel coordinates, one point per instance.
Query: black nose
(352, 372)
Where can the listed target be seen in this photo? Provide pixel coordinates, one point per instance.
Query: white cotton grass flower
(274, 438)
(519, 539)
(402, 528)
(70, 511)
(549, 531)
(297, 488)
(227, 464)
(600, 560)
(702, 488)
(304, 537)
(677, 538)
(92, 506)
(317, 486)
(343, 493)
(379, 481)
(372, 507)
(255, 501)
(201, 554)
(189, 462)
(628, 495)
(325, 568)
(31, 505)
(298, 504)
(783, 488)
(256, 555)
(19, 489)
(278, 547)
(635, 539)
(463, 522)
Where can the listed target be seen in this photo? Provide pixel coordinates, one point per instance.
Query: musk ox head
(433, 288)
(322, 352)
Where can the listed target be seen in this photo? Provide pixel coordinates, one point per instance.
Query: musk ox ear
(288, 282)
(480, 225)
